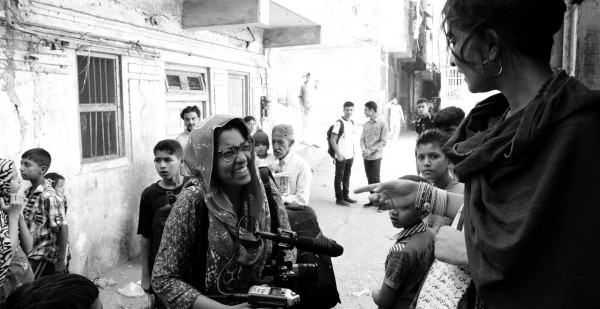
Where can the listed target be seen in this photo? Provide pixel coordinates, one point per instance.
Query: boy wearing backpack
(342, 143)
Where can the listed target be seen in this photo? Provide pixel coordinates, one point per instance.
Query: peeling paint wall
(39, 102)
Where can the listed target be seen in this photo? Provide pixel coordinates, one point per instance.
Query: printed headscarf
(7, 167)
(222, 232)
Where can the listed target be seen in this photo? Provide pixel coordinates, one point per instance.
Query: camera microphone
(319, 246)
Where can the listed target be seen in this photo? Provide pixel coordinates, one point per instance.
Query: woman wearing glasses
(208, 247)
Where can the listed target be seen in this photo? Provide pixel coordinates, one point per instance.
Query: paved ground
(363, 232)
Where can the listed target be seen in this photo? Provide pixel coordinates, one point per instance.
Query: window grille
(100, 108)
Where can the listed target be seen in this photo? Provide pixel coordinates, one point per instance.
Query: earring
(489, 66)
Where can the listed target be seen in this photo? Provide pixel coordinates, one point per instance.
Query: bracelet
(430, 199)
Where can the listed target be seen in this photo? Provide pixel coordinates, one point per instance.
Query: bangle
(430, 199)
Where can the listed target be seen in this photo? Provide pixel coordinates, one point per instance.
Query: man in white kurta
(298, 169)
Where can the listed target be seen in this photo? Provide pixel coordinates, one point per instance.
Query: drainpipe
(8, 14)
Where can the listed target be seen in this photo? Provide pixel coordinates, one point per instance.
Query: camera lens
(306, 274)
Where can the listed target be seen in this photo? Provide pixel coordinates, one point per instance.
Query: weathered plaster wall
(39, 102)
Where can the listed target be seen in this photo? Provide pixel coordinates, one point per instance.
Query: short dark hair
(56, 291)
(422, 100)
(432, 136)
(171, 146)
(39, 156)
(449, 116)
(248, 119)
(348, 104)
(55, 177)
(190, 109)
(371, 105)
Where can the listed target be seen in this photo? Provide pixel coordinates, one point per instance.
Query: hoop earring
(485, 68)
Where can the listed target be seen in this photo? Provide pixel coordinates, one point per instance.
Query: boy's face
(251, 125)
(60, 186)
(423, 108)
(261, 149)
(449, 130)
(30, 170)
(404, 216)
(348, 111)
(431, 161)
(15, 182)
(167, 165)
(368, 112)
(190, 120)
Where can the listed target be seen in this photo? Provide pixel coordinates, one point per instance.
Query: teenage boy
(251, 123)
(448, 119)
(291, 163)
(155, 205)
(425, 120)
(263, 157)
(435, 167)
(372, 142)
(409, 258)
(45, 216)
(191, 117)
(344, 146)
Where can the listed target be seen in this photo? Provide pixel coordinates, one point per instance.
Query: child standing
(45, 216)
(155, 206)
(409, 258)
(57, 182)
(436, 168)
(263, 157)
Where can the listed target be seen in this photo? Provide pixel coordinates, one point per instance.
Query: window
(185, 82)
(100, 107)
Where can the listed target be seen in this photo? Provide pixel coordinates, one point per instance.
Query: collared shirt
(183, 139)
(424, 124)
(408, 261)
(44, 214)
(373, 138)
(346, 144)
(267, 161)
(300, 178)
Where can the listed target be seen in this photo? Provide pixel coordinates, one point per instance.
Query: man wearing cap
(298, 169)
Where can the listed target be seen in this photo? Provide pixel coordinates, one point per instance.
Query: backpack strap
(266, 176)
(341, 131)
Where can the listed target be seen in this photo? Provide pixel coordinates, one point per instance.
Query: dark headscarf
(199, 158)
(531, 197)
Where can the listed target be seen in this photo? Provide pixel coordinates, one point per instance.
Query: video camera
(281, 278)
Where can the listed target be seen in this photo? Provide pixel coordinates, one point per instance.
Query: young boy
(45, 216)
(155, 205)
(263, 158)
(425, 120)
(409, 258)
(435, 167)
(448, 119)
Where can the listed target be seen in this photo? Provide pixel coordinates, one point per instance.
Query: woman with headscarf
(528, 157)
(227, 206)
(14, 244)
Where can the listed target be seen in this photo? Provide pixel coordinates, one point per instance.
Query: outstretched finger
(367, 188)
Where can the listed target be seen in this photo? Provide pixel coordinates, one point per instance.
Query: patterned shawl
(7, 168)
(222, 232)
(531, 197)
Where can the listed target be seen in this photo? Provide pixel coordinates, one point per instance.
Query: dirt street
(364, 233)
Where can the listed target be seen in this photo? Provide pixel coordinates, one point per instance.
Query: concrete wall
(39, 102)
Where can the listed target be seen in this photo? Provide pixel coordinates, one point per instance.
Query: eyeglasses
(230, 153)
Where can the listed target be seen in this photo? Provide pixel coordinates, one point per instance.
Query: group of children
(408, 261)
(33, 229)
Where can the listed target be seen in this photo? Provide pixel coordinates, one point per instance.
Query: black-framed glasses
(230, 153)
